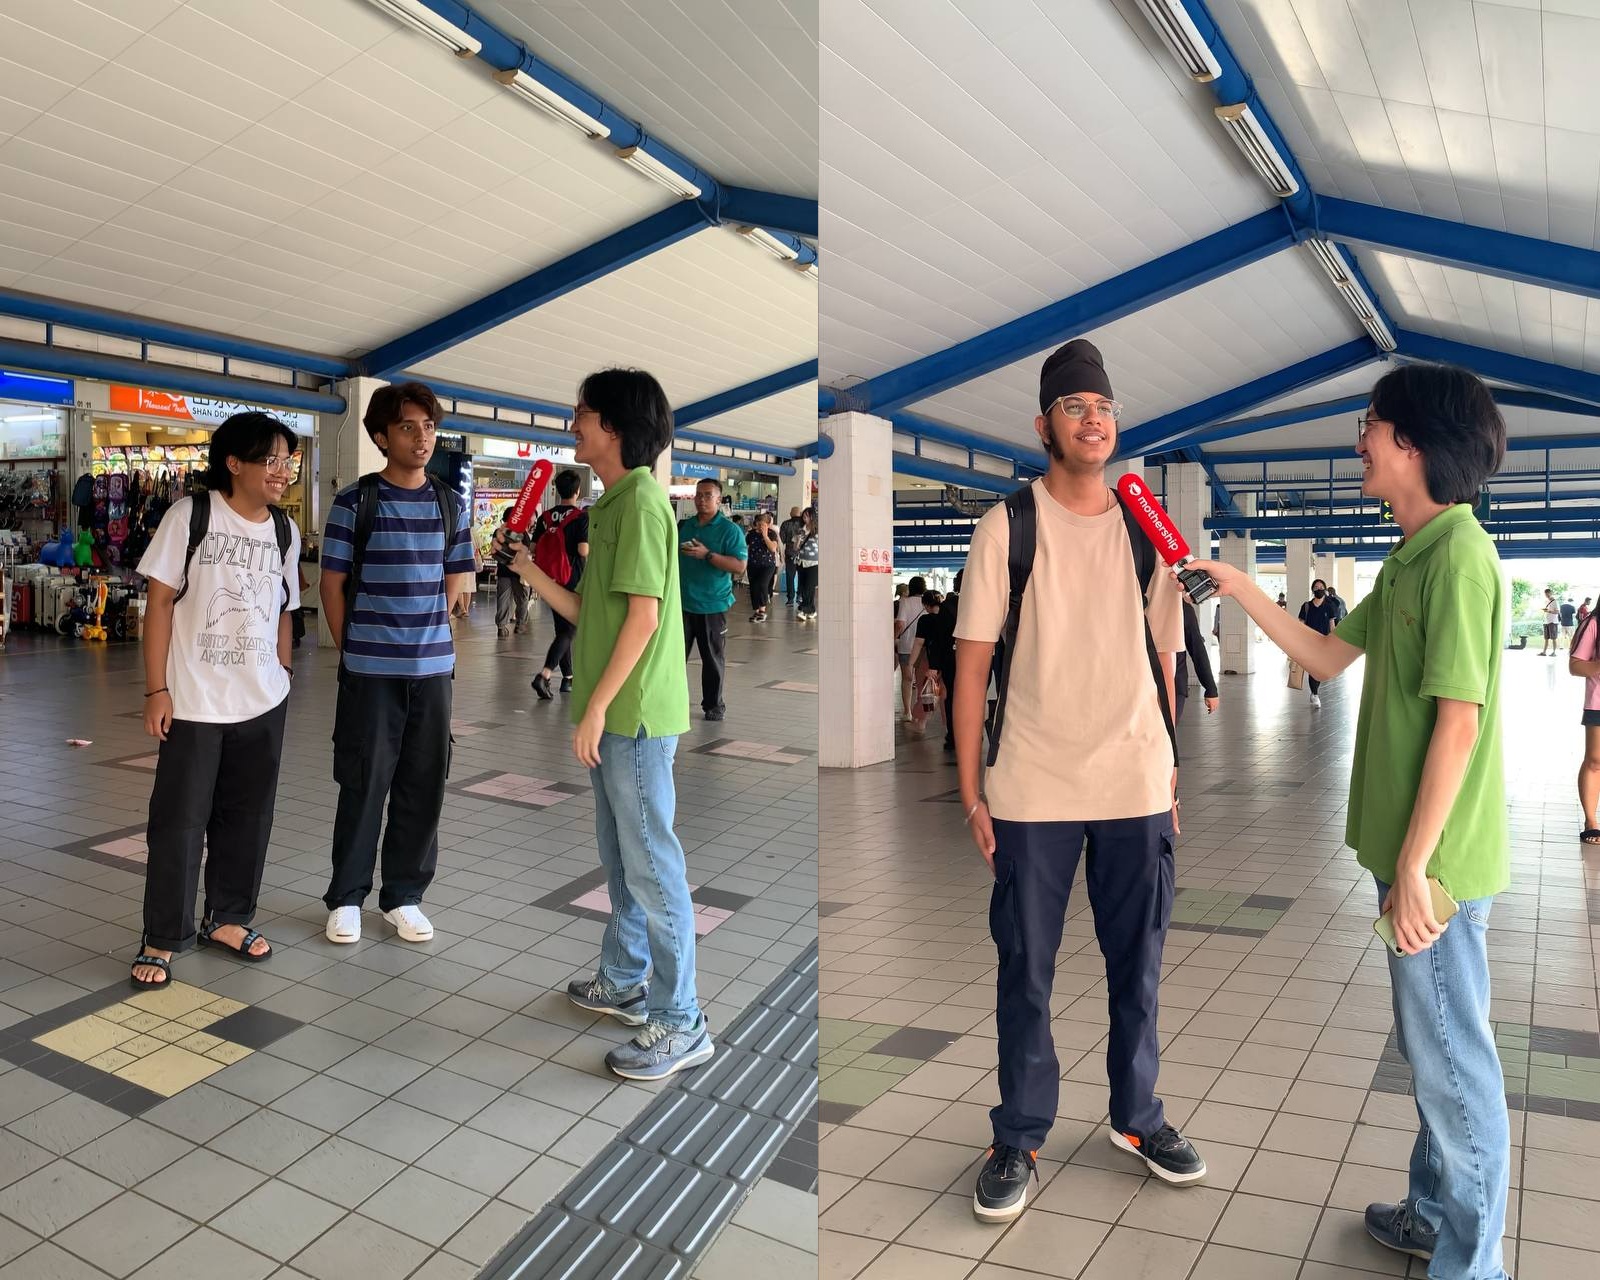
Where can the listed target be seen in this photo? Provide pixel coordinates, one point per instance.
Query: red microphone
(525, 507)
(1169, 543)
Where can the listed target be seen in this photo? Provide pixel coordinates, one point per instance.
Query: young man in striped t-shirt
(391, 732)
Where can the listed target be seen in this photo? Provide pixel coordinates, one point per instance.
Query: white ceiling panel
(788, 419)
(710, 313)
(1258, 320)
(980, 162)
(1339, 432)
(732, 86)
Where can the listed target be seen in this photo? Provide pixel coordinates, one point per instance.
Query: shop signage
(34, 388)
(493, 448)
(701, 469)
(874, 560)
(205, 411)
(450, 442)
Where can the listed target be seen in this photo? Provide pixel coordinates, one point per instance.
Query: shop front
(499, 468)
(35, 415)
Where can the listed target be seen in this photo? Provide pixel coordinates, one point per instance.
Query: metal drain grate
(648, 1205)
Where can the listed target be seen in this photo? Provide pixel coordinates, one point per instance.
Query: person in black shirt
(571, 523)
(1321, 613)
(935, 647)
(510, 594)
(789, 533)
(763, 552)
(1195, 653)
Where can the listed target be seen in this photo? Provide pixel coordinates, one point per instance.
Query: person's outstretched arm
(1322, 656)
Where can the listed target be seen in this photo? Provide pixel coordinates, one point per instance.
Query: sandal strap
(156, 962)
(251, 937)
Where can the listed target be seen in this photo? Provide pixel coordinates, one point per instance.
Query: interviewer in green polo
(1427, 792)
(712, 550)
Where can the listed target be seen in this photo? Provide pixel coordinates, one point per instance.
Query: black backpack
(1022, 514)
(200, 525)
(367, 519)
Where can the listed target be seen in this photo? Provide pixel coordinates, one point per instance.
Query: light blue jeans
(652, 916)
(1461, 1161)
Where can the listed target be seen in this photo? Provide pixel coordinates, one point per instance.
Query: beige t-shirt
(1083, 738)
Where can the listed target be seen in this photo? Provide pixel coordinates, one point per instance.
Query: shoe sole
(611, 1011)
(1426, 1256)
(1166, 1175)
(341, 939)
(985, 1213)
(682, 1064)
(409, 935)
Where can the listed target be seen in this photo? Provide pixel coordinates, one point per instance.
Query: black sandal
(153, 962)
(242, 951)
(1590, 835)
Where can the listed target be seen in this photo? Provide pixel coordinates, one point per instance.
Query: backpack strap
(1022, 521)
(446, 498)
(199, 526)
(366, 520)
(1144, 564)
(280, 527)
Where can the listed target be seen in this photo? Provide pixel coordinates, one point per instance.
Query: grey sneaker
(1392, 1226)
(599, 996)
(659, 1051)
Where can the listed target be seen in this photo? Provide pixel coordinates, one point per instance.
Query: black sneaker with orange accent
(1003, 1184)
(1166, 1152)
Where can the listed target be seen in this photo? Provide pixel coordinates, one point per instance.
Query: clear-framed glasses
(281, 463)
(1077, 408)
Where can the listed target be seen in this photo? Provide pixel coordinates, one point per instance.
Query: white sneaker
(1316, 701)
(344, 924)
(410, 923)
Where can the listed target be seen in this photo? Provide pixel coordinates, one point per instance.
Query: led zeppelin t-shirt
(223, 665)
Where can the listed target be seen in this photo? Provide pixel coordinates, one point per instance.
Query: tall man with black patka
(1081, 756)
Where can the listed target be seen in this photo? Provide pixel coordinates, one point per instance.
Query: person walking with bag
(223, 580)
(560, 547)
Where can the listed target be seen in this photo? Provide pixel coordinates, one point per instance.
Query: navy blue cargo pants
(1130, 880)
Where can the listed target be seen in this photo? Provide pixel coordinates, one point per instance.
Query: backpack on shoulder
(200, 525)
(1022, 518)
(367, 519)
(550, 551)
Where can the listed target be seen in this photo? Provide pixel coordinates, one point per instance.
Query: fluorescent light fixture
(656, 171)
(1329, 259)
(776, 247)
(1350, 289)
(808, 270)
(1176, 28)
(551, 102)
(1380, 332)
(424, 21)
(1242, 126)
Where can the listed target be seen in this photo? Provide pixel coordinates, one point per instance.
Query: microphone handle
(1199, 585)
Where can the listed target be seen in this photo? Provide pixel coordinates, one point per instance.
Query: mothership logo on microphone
(1172, 547)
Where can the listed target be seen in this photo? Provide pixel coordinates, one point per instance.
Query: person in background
(713, 551)
(510, 594)
(1569, 619)
(1583, 609)
(1194, 652)
(397, 660)
(1583, 659)
(1283, 601)
(935, 650)
(921, 669)
(1552, 624)
(906, 615)
(220, 725)
(560, 545)
(788, 534)
(764, 549)
(807, 558)
(630, 704)
(1321, 613)
(1427, 793)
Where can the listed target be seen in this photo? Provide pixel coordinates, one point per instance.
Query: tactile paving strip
(652, 1201)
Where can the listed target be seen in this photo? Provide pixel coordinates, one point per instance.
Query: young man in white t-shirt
(1083, 757)
(217, 640)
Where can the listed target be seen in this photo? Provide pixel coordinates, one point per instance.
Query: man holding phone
(712, 550)
(1427, 792)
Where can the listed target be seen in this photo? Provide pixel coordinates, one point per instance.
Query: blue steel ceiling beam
(909, 464)
(163, 333)
(1347, 453)
(1501, 366)
(672, 224)
(1179, 427)
(77, 363)
(914, 424)
(1299, 525)
(737, 397)
(1171, 274)
(792, 214)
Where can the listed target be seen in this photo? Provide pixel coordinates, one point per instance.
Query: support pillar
(857, 693)
(345, 453)
(1297, 568)
(795, 490)
(1189, 504)
(1238, 631)
(1322, 566)
(1344, 572)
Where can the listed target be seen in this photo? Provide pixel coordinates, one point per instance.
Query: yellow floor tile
(142, 1046)
(85, 1038)
(222, 1006)
(228, 1053)
(200, 1019)
(118, 1013)
(169, 1070)
(170, 1032)
(112, 1060)
(173, 1000)
(144, 1020)
(200, 1042)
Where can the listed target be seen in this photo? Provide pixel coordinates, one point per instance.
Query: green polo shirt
(633, 551)
(1433, 627)
(707, 589)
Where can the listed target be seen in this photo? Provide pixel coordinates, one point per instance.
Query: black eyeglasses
(1363, 425)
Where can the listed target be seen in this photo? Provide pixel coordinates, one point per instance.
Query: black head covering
(1072, 368)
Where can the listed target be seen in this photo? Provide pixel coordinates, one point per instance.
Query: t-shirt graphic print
(222, 667)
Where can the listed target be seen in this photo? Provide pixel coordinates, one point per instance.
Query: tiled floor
(383, 1109)
(1275, 1018)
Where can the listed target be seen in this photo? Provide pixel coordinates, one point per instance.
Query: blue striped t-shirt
(400, 623)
